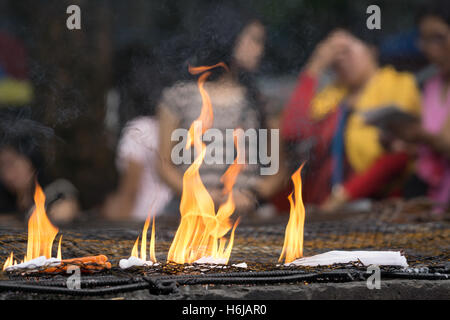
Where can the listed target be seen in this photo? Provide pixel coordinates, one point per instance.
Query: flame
(135, 251)
(41, 232)
(201, 231)
(230, 176)
(198, 70)
(293, 239)
(9, 262)
(59, 255)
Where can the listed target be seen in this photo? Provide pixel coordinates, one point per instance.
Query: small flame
(152, 242)
(59, 255)
(135, 251)
(230, 176)
(293, 239)
(41, 232)
(9, 261)
(201, 231)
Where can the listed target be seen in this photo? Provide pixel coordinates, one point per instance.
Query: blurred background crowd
(89, 113)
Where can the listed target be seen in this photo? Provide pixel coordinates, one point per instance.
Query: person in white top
(141, 192)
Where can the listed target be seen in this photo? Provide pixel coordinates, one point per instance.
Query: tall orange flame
(201, 232)
(293, 239)
(41, 232)
(135, 251)
(230, 176)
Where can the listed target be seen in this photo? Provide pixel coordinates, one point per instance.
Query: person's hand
(116, 208)
(64, 211)
(217, 196)
(326, 51)
(244, 202)
(411, 132)
(393, 144)
(337, 199)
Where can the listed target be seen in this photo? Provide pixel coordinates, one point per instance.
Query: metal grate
(426, 246)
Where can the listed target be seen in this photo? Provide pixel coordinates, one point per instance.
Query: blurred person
(15, 87)
(432, 135)
(22, 164)
(22, 140)
(16, 93)
(348, 160)
(237, 39)
(140, 189)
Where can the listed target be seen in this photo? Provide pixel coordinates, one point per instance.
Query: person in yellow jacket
(347, 160)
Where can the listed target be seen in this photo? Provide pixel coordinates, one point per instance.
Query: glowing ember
(201, 231)
(41, 233)
(293, 239)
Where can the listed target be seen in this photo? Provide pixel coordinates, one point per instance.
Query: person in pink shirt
(432, 135)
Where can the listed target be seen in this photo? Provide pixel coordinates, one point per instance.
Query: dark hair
(434, 8)
(215, 37)
(26, 137)
(138, 81)
(356, 25)
(369, 37)
(214, 40)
